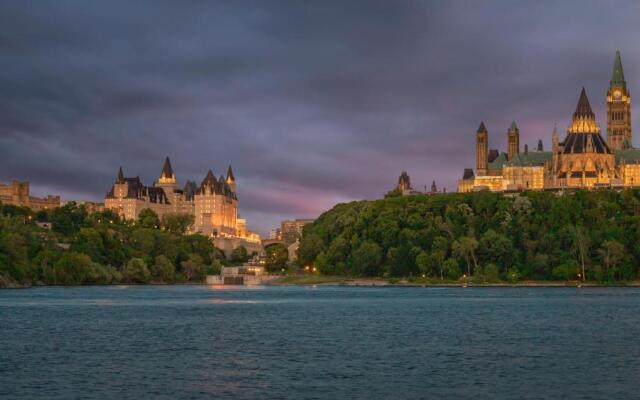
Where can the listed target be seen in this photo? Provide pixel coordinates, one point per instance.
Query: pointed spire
(481, 128)
(167, 171)
(513, 125)
(583, 109)
(230, 176)
(209, 177)
(617, 76)
(120, 178)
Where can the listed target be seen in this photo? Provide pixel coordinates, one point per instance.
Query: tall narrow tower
(482, 150)
(619, 133)
(513, 139)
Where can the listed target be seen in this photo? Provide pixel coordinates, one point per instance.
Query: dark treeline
(99, 248)
(486, 236)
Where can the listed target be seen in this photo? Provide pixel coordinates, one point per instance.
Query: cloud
(312, 102)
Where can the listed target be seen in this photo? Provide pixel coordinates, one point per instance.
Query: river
(324, 342)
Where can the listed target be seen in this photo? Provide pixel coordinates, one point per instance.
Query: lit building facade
(17, 193)
(584, 159)
(214, 203)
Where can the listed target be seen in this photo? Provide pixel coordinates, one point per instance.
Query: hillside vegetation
(100, 248)
(488, 236)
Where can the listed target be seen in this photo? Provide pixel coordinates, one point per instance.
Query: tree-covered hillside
(488, 236)
(100, 248)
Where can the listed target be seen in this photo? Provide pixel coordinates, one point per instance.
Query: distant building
(291, 230)
(17, 193)
(213, 203)
(275, 234)
(405, 188)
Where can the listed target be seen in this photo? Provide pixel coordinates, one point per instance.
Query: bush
(163, 270)
(452, 269)
(136, 271)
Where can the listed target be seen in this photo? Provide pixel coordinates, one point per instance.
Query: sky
(313, 103)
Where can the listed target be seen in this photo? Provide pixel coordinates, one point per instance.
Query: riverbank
(313, 280)
(347, 281)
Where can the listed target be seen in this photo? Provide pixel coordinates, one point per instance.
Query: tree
(439, 249)
(424, 262)
(72, 269)
(465, 247)
(162, 270)
(611, 253)
(581, 247)
(148, 219)
(310, 247)
(277, 257)
(136, 271)
(177, 223)
(239, 254)
(452, 269)
(366, 259)
(193, 268)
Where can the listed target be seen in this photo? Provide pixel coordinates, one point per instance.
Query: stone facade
(291, 230)
(17, 194)
(214, 203)
(583, 160)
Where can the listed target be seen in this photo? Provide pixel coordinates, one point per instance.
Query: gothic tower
(482, 150)
(618, 109)
(513, 138)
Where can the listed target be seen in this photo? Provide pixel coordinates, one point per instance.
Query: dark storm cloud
(312, 102)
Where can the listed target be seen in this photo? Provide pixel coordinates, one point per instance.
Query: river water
(324, 342)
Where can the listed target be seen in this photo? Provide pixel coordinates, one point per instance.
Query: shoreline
(371, 282)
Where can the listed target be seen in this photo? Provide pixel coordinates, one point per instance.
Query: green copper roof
(530, 159)
(628, 155)
(617, 77)
(498, 162)
(513, 125)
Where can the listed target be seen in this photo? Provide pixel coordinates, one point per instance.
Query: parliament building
(213, 203)
(583, 159)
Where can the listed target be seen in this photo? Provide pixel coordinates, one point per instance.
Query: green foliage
(193, 268)
(177, 223)
(162, 270)
(534, 235)
(148, 219)
(239, 254)
(277, 257)
(136, 271)
(97, 248)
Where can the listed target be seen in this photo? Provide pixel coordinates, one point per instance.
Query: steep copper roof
(467, 174)
(617, 76)
(120, 178)
(230, 174)
(583, 109)
(482, 128)
(167, 171)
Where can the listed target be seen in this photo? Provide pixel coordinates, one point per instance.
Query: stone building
(214, 203)
(291, 230)
(17, 193)
(584, 159)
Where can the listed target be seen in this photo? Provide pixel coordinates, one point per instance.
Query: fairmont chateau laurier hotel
(213, 203)
(584, 159)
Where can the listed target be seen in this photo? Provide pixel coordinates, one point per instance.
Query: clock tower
(618, 109)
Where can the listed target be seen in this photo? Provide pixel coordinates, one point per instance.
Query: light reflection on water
(134, 342)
